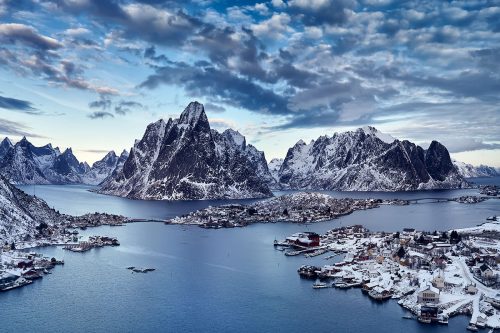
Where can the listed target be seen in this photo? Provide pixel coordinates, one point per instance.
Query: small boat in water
(319, 285)
(408, 316)
(472, 327)
(424, 320)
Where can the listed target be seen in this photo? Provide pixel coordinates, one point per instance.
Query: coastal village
(298, 207)
(434, 275)
(19, 268)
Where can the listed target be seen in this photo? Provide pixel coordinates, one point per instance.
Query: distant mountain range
(186, 159)
(470, 171)
(367, 160)
(23, 163)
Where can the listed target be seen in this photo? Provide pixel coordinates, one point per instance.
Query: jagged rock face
(23, 163)
(185, 159)
(5, 145)
(20, 213)
(470, 171)
(438, 162)
(367, 160)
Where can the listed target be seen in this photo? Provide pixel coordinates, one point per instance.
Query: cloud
(100, 115)
(318, 12)
(210, 107)
(458, 145)
(124, 107)
(18, 105)
(8, 127)
(221, 124)
(103, 103)
(15, 33)
(221, 85)
(95, 151)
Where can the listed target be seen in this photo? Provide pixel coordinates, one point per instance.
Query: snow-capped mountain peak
(186, 159)
(193, 113)
(367, 160)
(238, 139)
(370, 130)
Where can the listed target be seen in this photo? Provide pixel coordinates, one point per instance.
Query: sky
(92, 74)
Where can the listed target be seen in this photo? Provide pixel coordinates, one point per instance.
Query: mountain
(274, 168)
(5, 145)
(185, 159)
(20, 213)
(102, 169)
(367, 160)
(23, 163)
(470, 171)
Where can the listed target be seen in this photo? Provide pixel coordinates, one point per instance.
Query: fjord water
(227, 280)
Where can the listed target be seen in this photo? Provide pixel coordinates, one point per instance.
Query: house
(471, 289)
(485, 271)
(438, 282)
(428, 295)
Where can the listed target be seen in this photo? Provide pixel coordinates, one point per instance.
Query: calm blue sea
(227, 280)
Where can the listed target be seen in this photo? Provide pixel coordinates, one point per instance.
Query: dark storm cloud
(17, 105)
(220, 84)
(100, 115)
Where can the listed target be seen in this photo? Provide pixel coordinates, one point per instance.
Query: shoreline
(434, 276)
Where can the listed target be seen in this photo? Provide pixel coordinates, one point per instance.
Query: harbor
(434, 276)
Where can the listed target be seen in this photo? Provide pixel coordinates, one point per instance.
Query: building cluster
(298, 207)
(92, 242)
(490, 190)
(18, 269)
(434, 275)
(470, 199)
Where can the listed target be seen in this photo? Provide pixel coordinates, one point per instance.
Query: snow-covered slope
(470, 171)
(367, 160)
(102, 169)
(274, 168)
(185, 159)
(20, 213)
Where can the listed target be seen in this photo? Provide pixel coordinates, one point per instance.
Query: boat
(408, 316)
(443, 320)
(472, 327)
(320, 285)
(424, 320)
(342, 285)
